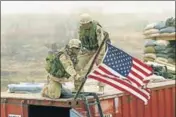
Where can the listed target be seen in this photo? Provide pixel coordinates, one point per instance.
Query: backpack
(54, 65)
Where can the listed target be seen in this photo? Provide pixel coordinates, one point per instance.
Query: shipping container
(161, 104)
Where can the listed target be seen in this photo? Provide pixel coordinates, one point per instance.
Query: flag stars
(118, 60)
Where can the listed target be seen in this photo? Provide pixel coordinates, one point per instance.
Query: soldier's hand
(77, 77)
(72, 77)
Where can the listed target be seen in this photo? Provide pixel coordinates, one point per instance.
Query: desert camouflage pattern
(53, 88)
(85, 59)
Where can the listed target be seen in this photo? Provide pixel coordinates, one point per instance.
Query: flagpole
(94, 59)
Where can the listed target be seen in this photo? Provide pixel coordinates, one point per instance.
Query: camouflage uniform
(65, 71)
(91, 35)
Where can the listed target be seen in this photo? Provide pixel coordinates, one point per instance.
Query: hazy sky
(68, 6)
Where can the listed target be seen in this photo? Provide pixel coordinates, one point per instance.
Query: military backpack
(54, 65)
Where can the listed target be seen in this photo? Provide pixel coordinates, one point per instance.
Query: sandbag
(159, 48)
(160, 25)
(149, 49)
(167, 34)
(166, 56)
(151, 31)
(148, 59)
(150, 26)
(149, 42)
(171, 61)
(167, 38)
(150, 55)
(167, 50)
(167, 30)
(161, 59)
(152, 36)
(162, 42)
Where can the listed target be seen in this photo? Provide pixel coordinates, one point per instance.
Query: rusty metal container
(162, 104)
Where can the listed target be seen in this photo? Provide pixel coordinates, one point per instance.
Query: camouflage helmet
(74, 43)
(85, 18)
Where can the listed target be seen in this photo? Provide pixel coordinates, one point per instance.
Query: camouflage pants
(84, 62)
(52, 89)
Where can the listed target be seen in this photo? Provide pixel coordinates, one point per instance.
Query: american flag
(123, 72)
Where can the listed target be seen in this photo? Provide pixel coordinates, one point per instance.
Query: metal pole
(95, 57)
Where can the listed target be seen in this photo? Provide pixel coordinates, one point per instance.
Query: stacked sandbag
(163, 30)
(149, 50)
(160, 41)
(150, 32)
(165, 52)
(160, 45)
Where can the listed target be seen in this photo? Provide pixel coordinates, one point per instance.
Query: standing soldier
(60, 66)
(91, 35)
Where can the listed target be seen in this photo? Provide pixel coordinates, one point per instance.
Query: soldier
(60, 67)
(91, 35)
